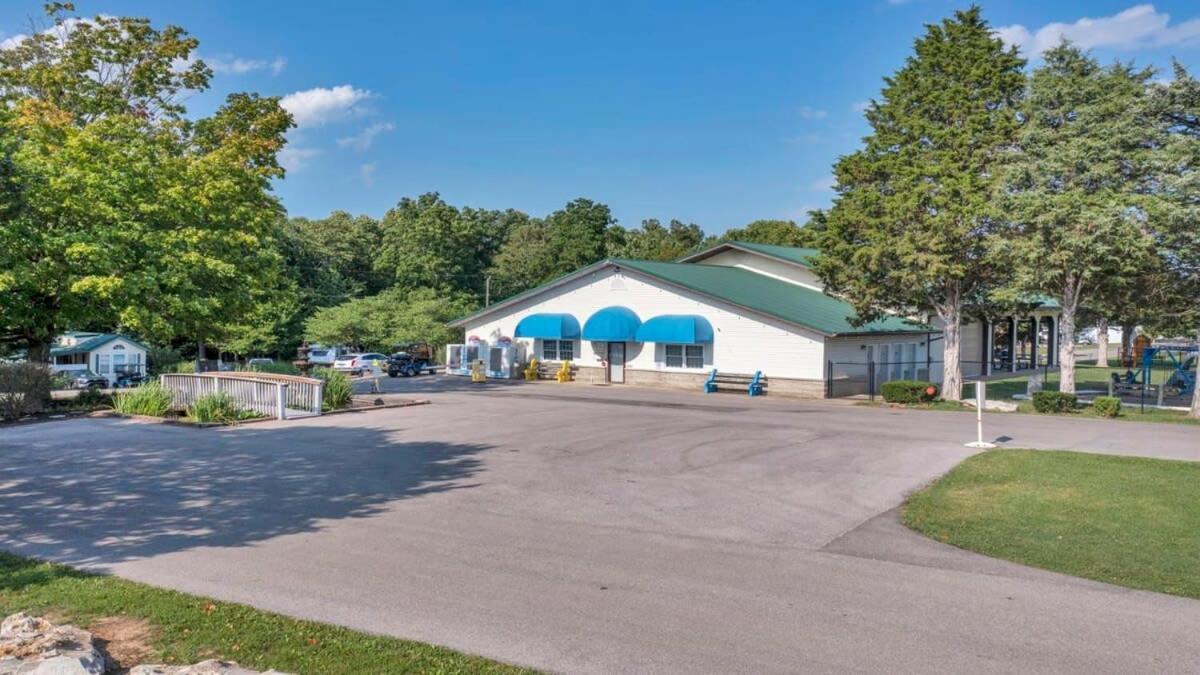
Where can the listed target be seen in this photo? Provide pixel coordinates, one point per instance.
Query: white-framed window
(558, 350)
(102, 364)
(683, 356)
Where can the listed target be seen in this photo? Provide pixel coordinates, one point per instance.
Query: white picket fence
(278, 396)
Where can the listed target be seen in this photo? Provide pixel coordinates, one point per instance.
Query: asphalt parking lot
(591, 529)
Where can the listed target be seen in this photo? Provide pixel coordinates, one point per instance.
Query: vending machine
(504, 360)
(456, 363)
(476, 349)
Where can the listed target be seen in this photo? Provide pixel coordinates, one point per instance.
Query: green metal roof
(770, 296)
(97, 340)
(792, 254)
(756, 292)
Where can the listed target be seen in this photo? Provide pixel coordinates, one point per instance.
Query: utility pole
(487, 290)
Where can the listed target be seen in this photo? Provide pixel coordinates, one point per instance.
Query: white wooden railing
(265, 393)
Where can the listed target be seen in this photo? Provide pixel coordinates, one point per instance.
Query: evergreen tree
(909, 227)
(1071, 187)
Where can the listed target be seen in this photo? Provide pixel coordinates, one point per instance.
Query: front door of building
(616, 362)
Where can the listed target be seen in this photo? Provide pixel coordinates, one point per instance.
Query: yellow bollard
(477, 374)
(531, 371)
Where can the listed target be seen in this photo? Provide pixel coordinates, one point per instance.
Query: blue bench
(754, 385)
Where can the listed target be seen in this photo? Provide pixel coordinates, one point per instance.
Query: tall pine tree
(1071, 191)
(909, 226)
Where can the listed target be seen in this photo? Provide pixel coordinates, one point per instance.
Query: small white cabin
(106, 354)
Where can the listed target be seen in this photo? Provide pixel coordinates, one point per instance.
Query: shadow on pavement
(112, 498)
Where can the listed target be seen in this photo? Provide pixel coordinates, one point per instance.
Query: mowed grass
(187, 628)
(1123, 520)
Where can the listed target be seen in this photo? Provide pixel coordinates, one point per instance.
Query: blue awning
(612, 324)
(550, 326)
(679, 329)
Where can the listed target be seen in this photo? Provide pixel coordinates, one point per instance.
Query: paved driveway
(592, 529)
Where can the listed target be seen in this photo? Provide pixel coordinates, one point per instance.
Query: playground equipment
(1182, 355)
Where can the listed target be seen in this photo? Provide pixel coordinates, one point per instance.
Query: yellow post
(477, 374)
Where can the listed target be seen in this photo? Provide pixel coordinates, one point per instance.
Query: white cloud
(294, 158)
(238, 66)
(317, 106)
(61, 31)
(860, 106)
(811, 113)
(363, 140)
(1139, 27)
(367, 171)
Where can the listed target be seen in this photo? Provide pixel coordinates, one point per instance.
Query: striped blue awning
(679, 329)
(548, 326)
(612, 324)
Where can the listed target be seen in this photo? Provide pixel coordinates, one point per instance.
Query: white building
(106, 354)
(739, 308)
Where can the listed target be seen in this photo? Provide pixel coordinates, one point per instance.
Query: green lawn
(186, 628)
(1123, 520)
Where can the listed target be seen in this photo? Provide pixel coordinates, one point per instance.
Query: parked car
(325, 356)
(130, 377)
(411, 359)
(356, 364)
(259, 362)
(86, 379)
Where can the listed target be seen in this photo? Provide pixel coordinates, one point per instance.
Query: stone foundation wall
(776, 386)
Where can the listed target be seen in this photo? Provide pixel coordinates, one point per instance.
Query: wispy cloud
(321, 105)
(363, 140)
(811, 113)
(823, 184)
(294, 158)
(1139, 27)
(860, 106)
(233, 65)
(367, 171)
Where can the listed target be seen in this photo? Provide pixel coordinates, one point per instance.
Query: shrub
(1107, 406)
(276, 368)
(164, 359)
(181, 367)
(91, 399)
(1054, 402)
(219, 407)
(24, 389)
(909, 391)
(149, 399)
(338, 388)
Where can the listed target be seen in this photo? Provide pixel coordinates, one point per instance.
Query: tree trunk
(1127, 331)
(1066, 351)
(201, 356)
(951, 366)
(1102, 343)
(38, 350)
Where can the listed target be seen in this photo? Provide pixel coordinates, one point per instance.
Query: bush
(24, 389)
(148, 399)
(163, 359)
(909, 391)
(1054, 402)
(1107, 406)
(183, 367)
(219, 407)
(91, 399)
(338, 388)
(276, 368)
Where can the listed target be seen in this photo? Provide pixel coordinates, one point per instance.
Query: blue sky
(715, 113)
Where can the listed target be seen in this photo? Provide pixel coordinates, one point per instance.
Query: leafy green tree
(1071, 187)
(392, 317)
(652, 241)
(428, 243)
(776, 232)
(537, 251)
(908, 229)
(116, 209)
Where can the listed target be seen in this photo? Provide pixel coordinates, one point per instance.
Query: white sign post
(980, 402)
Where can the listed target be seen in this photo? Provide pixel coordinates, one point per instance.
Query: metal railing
(265, 393)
